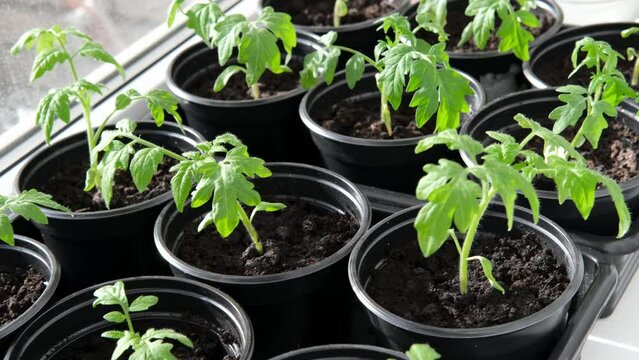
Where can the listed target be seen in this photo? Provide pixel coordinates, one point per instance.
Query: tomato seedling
(26, 205)
(147, 346)
(422, 352)
(256, 41)
(52, 48)
(436, 87)
(340, 9)
(224, 182)
(632, 55)
(458, 197)
(607, 89)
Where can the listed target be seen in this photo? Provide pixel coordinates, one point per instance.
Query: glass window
(115, 23)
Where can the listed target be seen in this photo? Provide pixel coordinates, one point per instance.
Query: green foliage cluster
(147, 346)
(404, 64)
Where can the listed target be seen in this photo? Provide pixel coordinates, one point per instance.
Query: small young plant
(224, 182)
(436, 87)
(256, 41)
(607, 89)
(340, 9)
(52, 48)
(147, 346)
(422, 352)
(25, 204)
(459, 196)
(511, 33)
(632, 54)
(431, 16)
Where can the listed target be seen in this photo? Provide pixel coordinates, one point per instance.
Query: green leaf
(269, 207)
(629, 32)
(116, 157)
(27, 40)
(160, 101)
(595, 123)
(54, 105)
(620, 204)
(124, 343)
(422, 352)
(431, 15)
(144, 165)
(514, 37)
(6, 230)
(202, 19)
(568, 115)
(258, 51)
(227, 35)
(114, 317)
(280, 25)
(46, 60)
(173, 10)
(453, 141)
(182, 183)
(487, 268)
(225, 76)
(392, 79)
(453, 88)
(455, 199)
(155, 350)
(161, 334)
(143, 303)
(35, 197)
(354, 70)
(113, 334)
(110, 295)
(96, 51)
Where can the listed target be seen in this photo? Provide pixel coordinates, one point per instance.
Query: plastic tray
(600, 278)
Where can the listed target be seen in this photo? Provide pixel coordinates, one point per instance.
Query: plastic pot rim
(567, 246)
(340, 80)
(541, 95)
(309, 39)
(52, 283)
(359, 198)
(574, 33)
(79, 139)
(404, 6)
(335, 348)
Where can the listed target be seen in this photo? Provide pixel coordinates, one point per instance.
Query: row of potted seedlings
(473, 277)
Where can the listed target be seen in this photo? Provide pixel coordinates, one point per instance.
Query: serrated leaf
(27, 40)
(96, 51)
(269, 207)
(116, 157)
(143, 303)
(160, 334)
(144, 165)
(225, 76)
(124, 343)
(452, 140)
(46, 60)
(453, 89)
(113, 334)
(258, 51)
(568, 115)
(227, 35)
(620, 204)
(110, 295)
(173, 10)
(514, 37)
(182, 183)
(202, 19)
(280, 25)
(161, 101)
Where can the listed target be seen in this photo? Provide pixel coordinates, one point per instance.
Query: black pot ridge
(342, 351)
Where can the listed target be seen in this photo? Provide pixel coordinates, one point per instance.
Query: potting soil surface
(20, 288)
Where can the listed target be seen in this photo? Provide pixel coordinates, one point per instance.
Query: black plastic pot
(340, 352)
(388, 164)
(180, 300)
(292, 309)
(537, 104)
(362, 36)
(500, 73)
(553, 52)
(270, 127)
(93, 247)
(28, 252)
(532, 337)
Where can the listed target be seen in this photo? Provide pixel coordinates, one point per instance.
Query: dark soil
(616, 156)
(426, 290)
(320, 12)
(457, 21)
(19, 289)
(293, 238)
(556, 69)
(207, 344)
(67, 187)
(361, 119)
(236, 89)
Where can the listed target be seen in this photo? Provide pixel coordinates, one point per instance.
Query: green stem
(468, 241)
(337, 19)
(251, 230)
(635, 74)
(355, 52)
(456, 240)
(149, 144)
(526, 140)
(125, 310)
(385, 115)
(255, 91)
